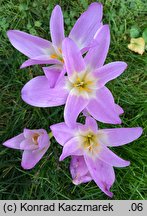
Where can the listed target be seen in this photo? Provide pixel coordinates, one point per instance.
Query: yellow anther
(78, 79)
(89, 135)
(54, 56)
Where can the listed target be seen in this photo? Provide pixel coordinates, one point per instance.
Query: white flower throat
(57, 55)
(83, 83)
(89, 143)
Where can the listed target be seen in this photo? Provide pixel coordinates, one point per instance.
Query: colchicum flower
(34, 144)
(96, 160)
(84, 85)
(76, 77)
(41, 51)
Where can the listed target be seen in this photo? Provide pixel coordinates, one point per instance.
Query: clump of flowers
(76, 76)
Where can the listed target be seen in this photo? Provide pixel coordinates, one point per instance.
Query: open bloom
(84, 85)
(92, 144)
(41, 51)
(34, 144)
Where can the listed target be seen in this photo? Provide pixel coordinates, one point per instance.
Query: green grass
(51, 179)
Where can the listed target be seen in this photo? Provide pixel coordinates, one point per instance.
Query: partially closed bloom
(92, 144)
(79, 171)
(34, 144)
(41, 51)
(80, 174)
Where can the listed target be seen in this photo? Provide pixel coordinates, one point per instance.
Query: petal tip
(75, 182)
(125, 65)
(57, 7)
(61, 158)
(110, 194)
(128, 163)
(5, 144)
(22, 66)
(117, 121)
(25, 166)
(96, 4)
(9, 32)
(140, 131)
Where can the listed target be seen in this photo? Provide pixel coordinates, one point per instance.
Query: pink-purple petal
(74, 105)
(43, 140)
(102, 173)
(28, 144)
(91, 124)
(119, 136)
(44, 59)
(37, 92)
(62, 132)
(72, 147)
(119, 109)
(73, 59)
(28, 133)
(57, 26)
(31, 158)
(97, 54)
(86, 26)
(107, 156)
(14, 142)
(29, 45)
(52, 73)
(109, 72)
(103, 107)
(79, 171)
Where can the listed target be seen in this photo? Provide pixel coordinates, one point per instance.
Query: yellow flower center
(57, 55)
(35, 138)
(89, 142)
(82, 83)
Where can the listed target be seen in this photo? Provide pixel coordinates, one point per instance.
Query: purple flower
(41, 51)
(34, 144)
(92, 145)
(84, 87)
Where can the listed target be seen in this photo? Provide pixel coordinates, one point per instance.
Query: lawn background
(51, 179)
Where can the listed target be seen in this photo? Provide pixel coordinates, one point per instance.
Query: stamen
(84, 83)
(90, 143)
(60, 50)
(35, 138)
(54, 56)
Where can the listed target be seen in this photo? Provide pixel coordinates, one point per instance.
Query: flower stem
(50, 135)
